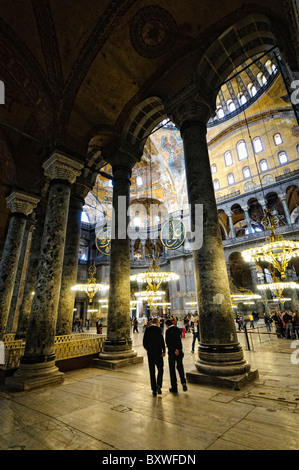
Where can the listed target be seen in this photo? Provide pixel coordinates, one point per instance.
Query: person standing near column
(154, 344)
(175, 356)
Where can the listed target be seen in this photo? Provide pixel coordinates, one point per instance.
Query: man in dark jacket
(154, 344)
(175, 356)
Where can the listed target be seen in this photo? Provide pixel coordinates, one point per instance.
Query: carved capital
(122, 153)
(189, 107)
(83, 184)
(59, 166)
(22, 203)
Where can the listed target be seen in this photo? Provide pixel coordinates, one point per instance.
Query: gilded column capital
(59, 166)
(19, 202)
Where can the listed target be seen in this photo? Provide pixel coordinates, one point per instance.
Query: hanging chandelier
(277, 289)
(192, 302)
(277, 251)
(91, 287)
(154, 277)
(241, 294)
(149, 296)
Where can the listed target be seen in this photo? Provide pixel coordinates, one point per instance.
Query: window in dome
(242, 99)
(139, 181)
(261, 79)
(252, 90)
(213, 168)
(242, 150)
(231, 106)
(220, 112)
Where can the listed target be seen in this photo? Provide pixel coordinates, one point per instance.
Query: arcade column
(37, 365)
(220, 359)
(20, 205)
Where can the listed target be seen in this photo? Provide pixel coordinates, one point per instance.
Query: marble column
(25, 307)
(71, 254)
(231, 224)
(247, 218)
(21, 205)
(220, 359)
(282, 197)
(19, 281)
(118, 345)
(254, 277)
(37, 366)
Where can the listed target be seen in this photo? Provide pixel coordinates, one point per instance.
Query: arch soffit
(244, 39)
(250, 36)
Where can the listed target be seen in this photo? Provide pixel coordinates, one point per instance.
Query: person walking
(175, 356)
(135, 325)
(154, 344)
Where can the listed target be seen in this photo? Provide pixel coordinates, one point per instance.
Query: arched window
(242, 150)
(283, 158)
(264, 165)
(268, 66)
(231, 106)
(252, 89)
(228, 158)
(277, 139)
(139, 181)
(220, 112)
(242, 99)
(246, 172)
(230, 178)
(216, 185)
(261, 79)
(213, 168)
(258, 146)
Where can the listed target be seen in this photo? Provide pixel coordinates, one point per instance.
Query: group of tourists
(286, 323)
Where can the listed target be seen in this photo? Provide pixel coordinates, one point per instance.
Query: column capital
(282, 197)
(19, 202)
(244, 207)
(83, 184)
(59, 166)
(122, 154)
(190, 108)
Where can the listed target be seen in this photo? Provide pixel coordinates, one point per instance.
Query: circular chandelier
(276, 251)
(154, 277)
(277, 289)
(91, 287)
(149, 296)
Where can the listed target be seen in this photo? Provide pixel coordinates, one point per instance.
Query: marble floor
(114, 410)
